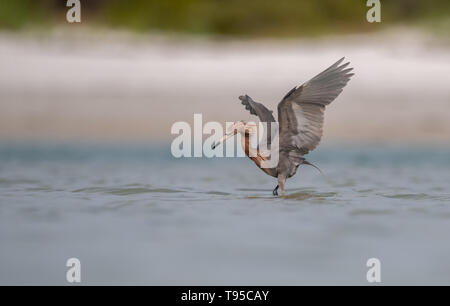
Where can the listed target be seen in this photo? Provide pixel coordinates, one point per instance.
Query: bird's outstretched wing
(301, 112)
(257, 109)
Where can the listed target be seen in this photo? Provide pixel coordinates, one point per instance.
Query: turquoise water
(134, 215)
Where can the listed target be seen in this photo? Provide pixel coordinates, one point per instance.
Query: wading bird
(300, 122)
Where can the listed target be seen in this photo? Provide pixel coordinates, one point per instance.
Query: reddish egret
(300, 120)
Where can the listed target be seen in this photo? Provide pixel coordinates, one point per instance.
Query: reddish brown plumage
(256, 159)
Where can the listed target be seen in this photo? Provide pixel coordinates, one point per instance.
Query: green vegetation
(247, 18)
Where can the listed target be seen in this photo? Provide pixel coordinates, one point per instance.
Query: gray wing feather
(257, 109)
(301, 112)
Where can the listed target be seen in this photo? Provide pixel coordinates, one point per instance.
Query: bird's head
(241, 127)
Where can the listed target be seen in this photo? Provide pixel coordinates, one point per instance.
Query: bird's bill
(222, 140)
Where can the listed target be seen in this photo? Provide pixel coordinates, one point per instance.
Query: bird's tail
(312, 165)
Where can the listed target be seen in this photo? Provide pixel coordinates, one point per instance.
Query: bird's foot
(275, 191)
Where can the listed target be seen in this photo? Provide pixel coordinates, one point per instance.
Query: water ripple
(126, 191)
(416, 196)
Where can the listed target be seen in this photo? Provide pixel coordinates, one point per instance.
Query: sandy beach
(106, 86)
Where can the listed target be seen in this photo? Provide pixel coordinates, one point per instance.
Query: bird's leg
(275, 191)
(281, 180)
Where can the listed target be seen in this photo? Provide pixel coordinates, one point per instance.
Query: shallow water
(134, 215)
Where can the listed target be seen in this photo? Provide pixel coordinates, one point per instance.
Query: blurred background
(86, 170)
(132, 68)
(254, 18)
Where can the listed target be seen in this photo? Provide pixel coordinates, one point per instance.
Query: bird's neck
(246, 145)
(253, 153)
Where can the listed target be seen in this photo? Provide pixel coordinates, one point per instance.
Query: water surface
(134, 215)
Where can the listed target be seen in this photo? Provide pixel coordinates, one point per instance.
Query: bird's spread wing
(301, 112)
(257, 109)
